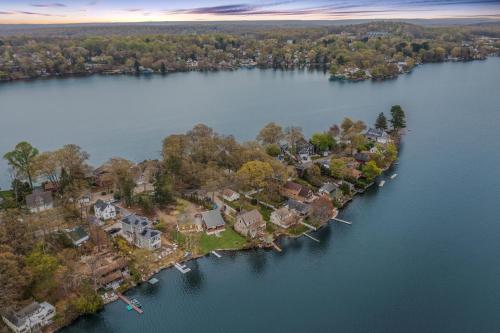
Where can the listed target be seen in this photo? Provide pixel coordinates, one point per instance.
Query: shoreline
(268, 247)
(314, 68)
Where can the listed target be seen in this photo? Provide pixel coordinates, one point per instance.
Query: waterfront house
(212, 221)
(284, 217)
(104, 210)
(31, 318)
(377, 135)
(362, 157)
(110, 271)
(77, 235)
(297, 192)
(250, 224)
(230, 195)
(330, 189)
(298, 207)
(137, 230)
(188, 223)
(304, 148)
(39, 201)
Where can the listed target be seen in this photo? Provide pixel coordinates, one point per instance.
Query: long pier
(308, 225)
(276, 247)
(342, 221)
(216, 254)
(128, 302)
(311, 237)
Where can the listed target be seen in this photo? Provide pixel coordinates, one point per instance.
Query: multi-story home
(137, 230)
(31, 318)
(104, 210)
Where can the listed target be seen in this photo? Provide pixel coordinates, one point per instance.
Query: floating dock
(182, 268)
(153, 281)
(311, 237)
(394, 176)
(216, 254)
(342, 221)
(130, 304)
(382, 183)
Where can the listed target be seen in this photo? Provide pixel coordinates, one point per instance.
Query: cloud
(38, 14)
(133, 10)
(48, 5)
(5, 13)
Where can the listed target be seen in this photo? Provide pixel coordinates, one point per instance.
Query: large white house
(104, 210)
(31, 318)
(137, 230)
(377, 135)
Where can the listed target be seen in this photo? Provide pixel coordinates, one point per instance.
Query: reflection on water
(194, 280)
(257, 260)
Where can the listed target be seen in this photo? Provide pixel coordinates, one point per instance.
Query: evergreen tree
(398, 120)
(381, 122)
(136, 66)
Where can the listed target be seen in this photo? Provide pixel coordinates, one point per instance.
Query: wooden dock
(394, 176)
(128, 302)
(182, 268)
(216, 254)
(311, 237)
(276, 247)
(342, 221)
(382, 183)
(308, 225)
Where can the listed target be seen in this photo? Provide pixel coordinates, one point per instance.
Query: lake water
(422, 255)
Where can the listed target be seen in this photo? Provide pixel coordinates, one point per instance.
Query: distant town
(75, 237)
(377, 50)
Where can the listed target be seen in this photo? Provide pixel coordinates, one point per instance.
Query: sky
(79, 11)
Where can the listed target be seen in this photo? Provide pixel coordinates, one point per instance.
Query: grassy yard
(229, 240)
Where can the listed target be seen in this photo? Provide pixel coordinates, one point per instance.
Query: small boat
(153, 281)
(394, 176)
(136, 303)
(129, 307)
(381, 184)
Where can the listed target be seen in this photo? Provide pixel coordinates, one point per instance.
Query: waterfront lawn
(228, 240)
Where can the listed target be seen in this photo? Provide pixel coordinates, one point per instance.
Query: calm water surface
(422, 255)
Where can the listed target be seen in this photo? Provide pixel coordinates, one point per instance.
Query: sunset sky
(76, 11)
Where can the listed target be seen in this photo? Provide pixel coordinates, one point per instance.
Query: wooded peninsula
(377, 50)
(74, 237)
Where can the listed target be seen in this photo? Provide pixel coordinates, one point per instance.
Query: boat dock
(276, 247)
(182, 268)
(342, 221)
(153, 281)
(311, 237)
(216, 254)
(308, 225)
(381, 184)
(394, 176)
(129, 303)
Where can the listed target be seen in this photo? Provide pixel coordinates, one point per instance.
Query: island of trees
(66, 251)
(378, 50)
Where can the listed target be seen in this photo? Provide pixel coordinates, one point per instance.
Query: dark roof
(101, 204)
(213, 218)
(19, 317)
(149, 233)
(363, 157)
(300, 207)
(136, 220)
(38, 198)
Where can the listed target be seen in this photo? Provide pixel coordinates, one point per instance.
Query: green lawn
(229, 239)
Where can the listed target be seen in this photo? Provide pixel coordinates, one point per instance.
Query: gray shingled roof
(213, 218)
(134, 219)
